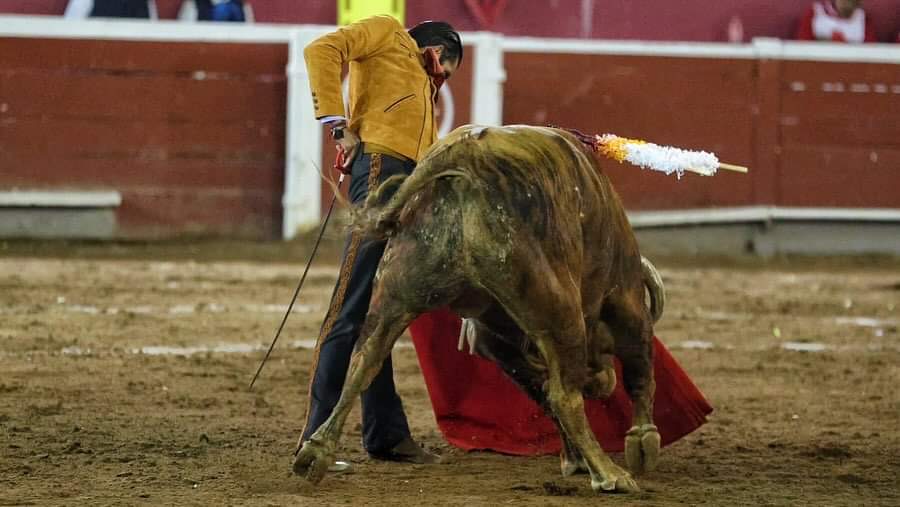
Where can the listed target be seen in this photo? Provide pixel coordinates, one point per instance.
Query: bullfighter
(394, 76)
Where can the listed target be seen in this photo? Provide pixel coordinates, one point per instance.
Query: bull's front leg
(567, 404)
(509, 354)
(317, 453)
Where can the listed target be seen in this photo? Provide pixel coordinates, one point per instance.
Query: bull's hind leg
(405, 287)
(382, 328)
(630, 324)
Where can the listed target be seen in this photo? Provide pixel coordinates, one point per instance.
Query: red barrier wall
(191, 153)
(821, 134)
(697, 20)
(839, 132)
(203, 153)
(692, 103)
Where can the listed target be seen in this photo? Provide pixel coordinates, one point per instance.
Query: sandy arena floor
(124, 381)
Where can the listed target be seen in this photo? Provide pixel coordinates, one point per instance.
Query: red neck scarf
(434, 68)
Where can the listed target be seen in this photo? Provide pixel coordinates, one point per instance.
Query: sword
(341, 163)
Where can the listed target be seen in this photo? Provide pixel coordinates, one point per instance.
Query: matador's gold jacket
(391, 95)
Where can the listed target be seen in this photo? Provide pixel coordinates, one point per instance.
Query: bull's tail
(378, 219)
(655, 286)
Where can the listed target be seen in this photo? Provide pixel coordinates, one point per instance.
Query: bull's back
(538, 178)
(537, 190)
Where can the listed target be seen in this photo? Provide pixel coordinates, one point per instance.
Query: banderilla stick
(299, 285)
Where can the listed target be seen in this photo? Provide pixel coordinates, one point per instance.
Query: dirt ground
(124, 372)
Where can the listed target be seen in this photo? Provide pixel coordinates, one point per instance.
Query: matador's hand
(349, 143)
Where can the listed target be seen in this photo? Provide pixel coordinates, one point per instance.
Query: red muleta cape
(478, 407)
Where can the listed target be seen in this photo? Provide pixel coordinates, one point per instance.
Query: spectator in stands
(140, 9)
(836, 21)
(216, 10)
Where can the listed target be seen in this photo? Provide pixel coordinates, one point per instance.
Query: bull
(516, 229)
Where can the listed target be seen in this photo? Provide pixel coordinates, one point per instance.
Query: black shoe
(407, 451)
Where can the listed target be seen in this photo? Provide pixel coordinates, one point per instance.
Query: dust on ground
(124, 371)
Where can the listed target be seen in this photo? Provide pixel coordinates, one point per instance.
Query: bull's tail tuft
(655, 287)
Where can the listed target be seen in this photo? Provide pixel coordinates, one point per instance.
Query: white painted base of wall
(44, 214)
(60, 199)
(57, 223)
(768, 240)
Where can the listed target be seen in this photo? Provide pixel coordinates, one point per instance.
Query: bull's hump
(506, 140)
(480, 131)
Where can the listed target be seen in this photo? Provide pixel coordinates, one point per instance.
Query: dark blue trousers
(384, 422)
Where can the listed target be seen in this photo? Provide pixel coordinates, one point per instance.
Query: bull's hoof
(617, 483)
(312, 461)
(642, 448)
